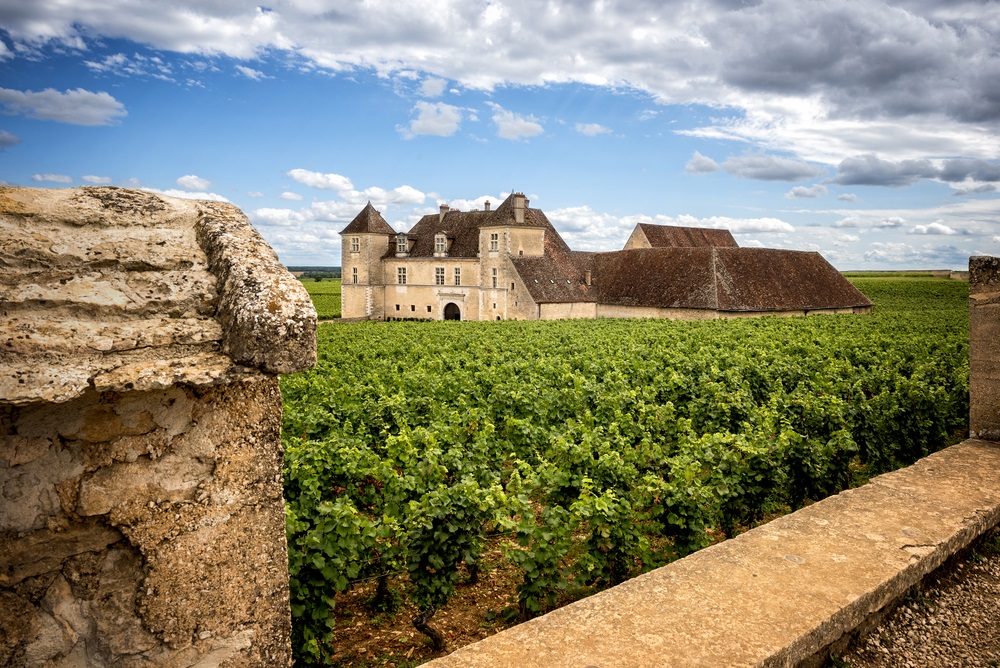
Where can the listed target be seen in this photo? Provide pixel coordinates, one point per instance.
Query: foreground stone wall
(984, 353)
(144, 528)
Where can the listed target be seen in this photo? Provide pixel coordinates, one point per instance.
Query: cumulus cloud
(291, 196)
(432, 87)
(514, 126)
(96, 180)
(192, 182)
(872, 170)
(799, 192)
(8, 139)
(765, 167)
(321, 181)
(933, 228)
(77, 107)
(700, 164)
(848, 197)
(187, 194)
(592, 129)
(433, 118)
(51, 178)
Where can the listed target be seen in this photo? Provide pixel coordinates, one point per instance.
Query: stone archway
(452, 312)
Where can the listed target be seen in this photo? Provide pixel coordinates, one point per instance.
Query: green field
(325, 295)
(598, 449)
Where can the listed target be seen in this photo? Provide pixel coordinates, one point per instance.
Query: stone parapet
(984, 347)
(777, 595)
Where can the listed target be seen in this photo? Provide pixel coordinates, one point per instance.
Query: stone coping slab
(776, 595)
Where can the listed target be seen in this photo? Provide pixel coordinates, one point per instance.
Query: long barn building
(511, 263)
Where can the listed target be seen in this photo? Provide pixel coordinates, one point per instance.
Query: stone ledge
(777, 595)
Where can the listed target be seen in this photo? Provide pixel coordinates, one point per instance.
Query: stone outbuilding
(141, 512)
(511, 263)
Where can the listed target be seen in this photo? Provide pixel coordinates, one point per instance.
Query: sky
(868, 131)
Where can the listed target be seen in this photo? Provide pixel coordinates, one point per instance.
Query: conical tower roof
(369, 221)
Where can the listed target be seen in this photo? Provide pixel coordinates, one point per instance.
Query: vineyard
(587, 452)
(325, 294)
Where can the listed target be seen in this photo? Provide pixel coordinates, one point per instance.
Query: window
(440, 243)
(401, 245)
(355, 244)
(458, 275)
(511, 286)
(401, 275)
(397, 307)
(494, 277)
(494, 241)
(413, 307)
(428, 308)
(438, 275)
(354, 275)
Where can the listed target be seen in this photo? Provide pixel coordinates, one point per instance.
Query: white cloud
(250, 73)
(766, 167)
(932, 228)
(77, 107)
(433, 118)
(799, 192)
(701, 164)
(96, 180)
(592, 129)
(321, 181)
(432, 87)
(52, 178)
(847, 197)
(136, 65)
(291, 196)
(255, 193)
(192, 182)
(187, 194)
(514, 126)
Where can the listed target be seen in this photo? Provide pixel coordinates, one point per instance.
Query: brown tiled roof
(369, 221)
(659, 277)
(462, 228)
(671, 236)
(727, 279)
(764, 279)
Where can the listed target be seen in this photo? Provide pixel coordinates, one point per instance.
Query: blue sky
(867, 131)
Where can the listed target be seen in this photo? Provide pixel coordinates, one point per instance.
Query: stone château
(511, 263)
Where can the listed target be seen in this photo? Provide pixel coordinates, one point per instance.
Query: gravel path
(952, 622)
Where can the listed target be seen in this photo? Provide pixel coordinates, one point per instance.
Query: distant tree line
(316, 272)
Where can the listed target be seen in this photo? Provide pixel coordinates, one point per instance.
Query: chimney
(487, 205)
(519, 207)
(444, 209)
(586, 277)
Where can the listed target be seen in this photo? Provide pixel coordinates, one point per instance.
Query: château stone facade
(511, 263)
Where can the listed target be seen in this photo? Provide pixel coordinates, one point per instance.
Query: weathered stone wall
(144, 528)
(984, 353)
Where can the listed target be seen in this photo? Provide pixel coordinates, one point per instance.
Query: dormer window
(402, 244)
(440, 244)
(355, 244)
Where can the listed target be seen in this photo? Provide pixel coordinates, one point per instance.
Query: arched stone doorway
(452, 312)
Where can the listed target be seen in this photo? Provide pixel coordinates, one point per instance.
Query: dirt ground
(364, 638)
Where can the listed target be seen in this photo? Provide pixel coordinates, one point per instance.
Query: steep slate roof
(462, 228)
(671, 236)
(119, 290)
(369, 221)
(726, 279)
